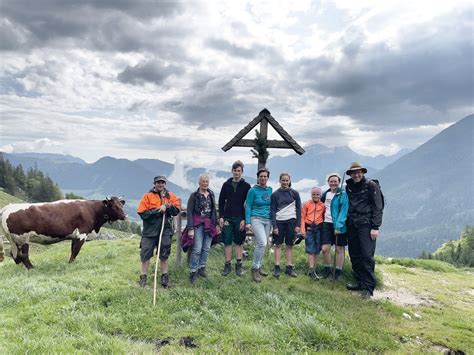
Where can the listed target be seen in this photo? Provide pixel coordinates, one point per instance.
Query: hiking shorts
(328, 236)
(313, 241)
(231, 231)
(148, 245)
(286, 232)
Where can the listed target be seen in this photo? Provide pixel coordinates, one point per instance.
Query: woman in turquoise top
(257, 219)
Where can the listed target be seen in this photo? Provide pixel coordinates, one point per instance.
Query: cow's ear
(122, 202)
(106, 202)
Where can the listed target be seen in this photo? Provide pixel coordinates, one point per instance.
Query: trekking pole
(334, 264)
(335, 241)
(158, 258)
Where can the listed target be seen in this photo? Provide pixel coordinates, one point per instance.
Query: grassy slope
(5, 199)
(94, 305)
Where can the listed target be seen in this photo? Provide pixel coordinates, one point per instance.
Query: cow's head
(113, 208)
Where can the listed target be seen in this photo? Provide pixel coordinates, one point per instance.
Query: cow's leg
(2, 253)
(76, 246)
(24, 256)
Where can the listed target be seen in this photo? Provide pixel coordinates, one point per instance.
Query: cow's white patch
(15, 207)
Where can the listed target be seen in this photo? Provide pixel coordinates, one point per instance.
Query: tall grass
(94, 305)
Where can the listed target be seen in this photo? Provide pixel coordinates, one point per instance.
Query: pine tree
(261, 149)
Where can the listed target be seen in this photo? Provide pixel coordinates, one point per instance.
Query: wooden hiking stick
(334, 263)
(158, 258)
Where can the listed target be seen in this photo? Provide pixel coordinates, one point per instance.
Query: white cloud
(143, 79)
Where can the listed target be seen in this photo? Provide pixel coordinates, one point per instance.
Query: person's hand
(303, 235)
(337, 232)
(191, 233)
(275, 231)
(163, 208)
(242, 225)
(248, 227)
(218, 229)
(221, 222)
(374, 233)
(297, 230)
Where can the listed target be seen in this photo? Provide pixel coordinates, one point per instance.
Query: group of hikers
(337, 216)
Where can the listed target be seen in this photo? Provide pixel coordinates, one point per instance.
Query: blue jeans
(201, 246)
(261, 230)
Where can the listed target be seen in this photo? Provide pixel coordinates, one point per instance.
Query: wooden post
(179, 222)
(264, 134)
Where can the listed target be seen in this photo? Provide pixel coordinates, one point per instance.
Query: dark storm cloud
(102, 25)
(430, 73)
(152, 72)
(217, 102)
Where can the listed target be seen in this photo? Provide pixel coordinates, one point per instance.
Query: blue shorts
(313, 242)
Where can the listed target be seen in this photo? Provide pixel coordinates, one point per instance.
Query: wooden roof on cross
(288, 141)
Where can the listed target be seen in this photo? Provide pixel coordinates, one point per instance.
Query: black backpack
(376, 182)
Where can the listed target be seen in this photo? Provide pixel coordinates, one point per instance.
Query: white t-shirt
(327, 203)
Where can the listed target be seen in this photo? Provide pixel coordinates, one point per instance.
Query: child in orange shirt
(312, 217)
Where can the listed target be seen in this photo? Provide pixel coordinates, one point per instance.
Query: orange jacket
(152, 200)
(312, 213)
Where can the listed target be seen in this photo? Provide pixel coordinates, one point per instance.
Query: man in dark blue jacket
(363, 222)
(232, 216)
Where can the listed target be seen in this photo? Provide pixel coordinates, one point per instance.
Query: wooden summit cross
(264, 117)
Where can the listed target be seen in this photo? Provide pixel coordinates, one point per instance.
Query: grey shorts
(148, 245)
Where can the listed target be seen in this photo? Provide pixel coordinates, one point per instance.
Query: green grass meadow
(95, 306)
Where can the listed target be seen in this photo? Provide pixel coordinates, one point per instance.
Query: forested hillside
(457, 252)
(32, 185)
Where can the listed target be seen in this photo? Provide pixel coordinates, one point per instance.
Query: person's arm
(273, 208)
(298, 209)
(248, 205)
(341, 213)
(144, 210)
(375, 197)
(304, 211)
(222, 200)
(190, 210)
(173, 208)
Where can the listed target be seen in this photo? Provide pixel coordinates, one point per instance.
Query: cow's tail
(2, 252)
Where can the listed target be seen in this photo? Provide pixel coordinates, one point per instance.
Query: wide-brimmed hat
(356, 166)
(159, 178)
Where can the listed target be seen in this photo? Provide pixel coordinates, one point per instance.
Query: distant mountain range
(318, 161)
(429, 191)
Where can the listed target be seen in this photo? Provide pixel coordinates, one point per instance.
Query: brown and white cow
(52, 222)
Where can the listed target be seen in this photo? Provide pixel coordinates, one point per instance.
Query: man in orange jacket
(156, 207)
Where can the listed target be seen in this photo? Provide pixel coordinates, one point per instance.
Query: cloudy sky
(177, 80)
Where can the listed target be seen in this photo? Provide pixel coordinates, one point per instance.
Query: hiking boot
(226, 270)
(165, 280)
(193, 277)
(238, 269)
(337, 273)
(277, 271)
(354, 286)
(256, 275)
(143, 280)
(289, 271)
(326, 272)
(202, 272)
(366, 294)
(312, 273)
(262, 273)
